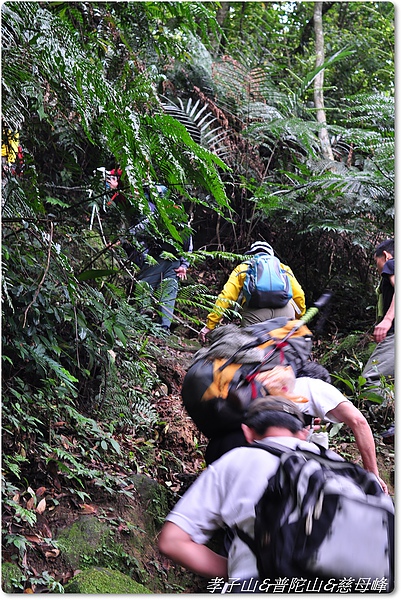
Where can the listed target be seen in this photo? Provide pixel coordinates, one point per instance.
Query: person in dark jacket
(382, 361)
(145, 240)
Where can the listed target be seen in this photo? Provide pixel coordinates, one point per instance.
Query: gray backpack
(323, 517)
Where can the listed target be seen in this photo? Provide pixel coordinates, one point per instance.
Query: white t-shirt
(226, 493)
(322, 397)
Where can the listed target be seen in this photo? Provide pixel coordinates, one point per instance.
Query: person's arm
(382, 328)
(229, 294)
(177, 545)
(298, 295)
(184, 263)
(347, 413)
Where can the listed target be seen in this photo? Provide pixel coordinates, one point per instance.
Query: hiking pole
(311, 313)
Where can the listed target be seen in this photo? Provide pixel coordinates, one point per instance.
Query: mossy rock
(11, 575)
(83, 539)
(154, 499)
(98, 580)
(91, 542)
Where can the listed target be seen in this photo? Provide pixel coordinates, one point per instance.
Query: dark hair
(386, 246)
(273, 411)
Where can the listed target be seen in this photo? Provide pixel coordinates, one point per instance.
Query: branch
(44, 274)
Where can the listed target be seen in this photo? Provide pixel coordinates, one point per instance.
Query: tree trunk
(319, 81)
(221, 14)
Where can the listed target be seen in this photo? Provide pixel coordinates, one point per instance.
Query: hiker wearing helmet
(264, 305)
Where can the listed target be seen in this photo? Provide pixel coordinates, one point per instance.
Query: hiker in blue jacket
(146, 241)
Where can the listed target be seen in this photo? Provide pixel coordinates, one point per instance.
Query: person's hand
(181, 272)
(203, 333)
(384, 486)
(112, 180)
(381, 330)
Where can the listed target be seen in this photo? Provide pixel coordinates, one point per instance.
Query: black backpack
(323, 517)
(220, 383)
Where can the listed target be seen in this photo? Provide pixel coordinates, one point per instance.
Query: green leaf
(334, 429)
(120, 334)
(373, 397)
(115, 445)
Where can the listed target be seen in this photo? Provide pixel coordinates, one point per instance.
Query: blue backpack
(266, 284)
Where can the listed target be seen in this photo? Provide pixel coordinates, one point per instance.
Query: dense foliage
(214, 100)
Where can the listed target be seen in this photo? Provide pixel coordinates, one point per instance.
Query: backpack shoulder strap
(247, 539)
(249, 263)
(278, 450)
(272, 447)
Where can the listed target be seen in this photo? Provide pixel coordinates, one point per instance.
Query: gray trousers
(381, 361)
(163, 276)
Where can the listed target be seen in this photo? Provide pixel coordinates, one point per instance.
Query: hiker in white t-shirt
(326, 402)
(315, 398)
